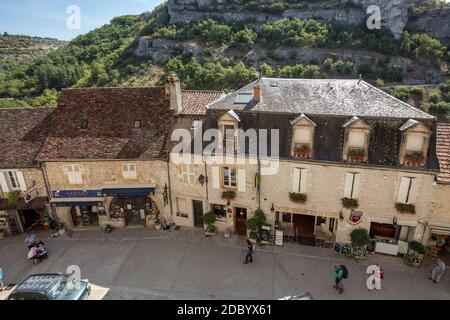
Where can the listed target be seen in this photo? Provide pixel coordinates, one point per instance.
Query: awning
(129, 190)
(73, 202)
(35, 204)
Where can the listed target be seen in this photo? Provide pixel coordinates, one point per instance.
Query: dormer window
(356, 143)
(84, 124)
(137, 124)
(303, 130)
(415, 142)
(228, 125)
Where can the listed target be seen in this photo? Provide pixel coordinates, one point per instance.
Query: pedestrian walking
(340, 273)
(1, 279)
(438, 271)
(250, 251)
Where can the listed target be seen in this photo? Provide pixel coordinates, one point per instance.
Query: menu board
(279, 234)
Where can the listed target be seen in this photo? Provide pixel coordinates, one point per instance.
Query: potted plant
(298, 197)
(158, 225)
(415, 158)
(305, 151)
(416, 251)
(255, 223)
(228, 195)
(349, 203)
(13, 198)
(356, 155)
(209, 219)
(405, 208)
(360, 237)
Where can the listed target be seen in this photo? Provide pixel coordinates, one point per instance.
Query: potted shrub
(351, 250)
(298, 197)
(228, 195)
(360, 237)
(405, 208)
(305, 151)
(415, 158)
(416, 251)
(209, 219)
(13, 198)
(255, 223)
(356, 155)
(349, 203)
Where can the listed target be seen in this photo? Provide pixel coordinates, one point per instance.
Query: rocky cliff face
(435, 22)
(394, 13)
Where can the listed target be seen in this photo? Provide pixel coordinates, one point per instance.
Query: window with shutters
(229, 177)
(74, 174)
(352, 182)
(356, 145)
(188, 174)
(415, 143)
(129, 171)
(300, 182)
(12, 181)
(405, 190)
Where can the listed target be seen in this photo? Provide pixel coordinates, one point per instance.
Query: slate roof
(111, 113)
(194, 101)
(443, 151)
(322, 97)
(22, 133)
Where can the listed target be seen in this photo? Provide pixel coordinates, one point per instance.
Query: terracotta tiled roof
(194, 101)
(443, 151)
(22, 133)
(111, 113)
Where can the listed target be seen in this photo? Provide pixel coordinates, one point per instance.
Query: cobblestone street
(146, 264)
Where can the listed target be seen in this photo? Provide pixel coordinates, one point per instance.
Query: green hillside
(209, 54)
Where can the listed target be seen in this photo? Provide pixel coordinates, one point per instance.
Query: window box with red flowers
(349, 203)
(298, 197)
(415, 159)
(302, 151)
(405, 208)
(356, 155)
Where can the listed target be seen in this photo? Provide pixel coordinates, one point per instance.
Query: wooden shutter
(302, 135)
(215, 171)
(21, 181)
(3, 183)
(242, 181)
(356, 139)
(296, 181)
(348, 185)
(356, 185)
(403, 190)
(303, 180)
(414, 142)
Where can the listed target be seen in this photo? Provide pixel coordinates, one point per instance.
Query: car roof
(39, 283)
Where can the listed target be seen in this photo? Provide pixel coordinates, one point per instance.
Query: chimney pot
(257, 93)
(173, 92)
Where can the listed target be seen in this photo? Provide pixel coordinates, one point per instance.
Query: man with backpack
(250, 251)
(340, 273)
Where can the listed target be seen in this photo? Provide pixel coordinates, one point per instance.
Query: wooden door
(241, 218)
(198, 213)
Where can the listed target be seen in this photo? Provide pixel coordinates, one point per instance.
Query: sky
(59, 18)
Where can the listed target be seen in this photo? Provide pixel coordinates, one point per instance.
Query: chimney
(256, 93)
(173, 92)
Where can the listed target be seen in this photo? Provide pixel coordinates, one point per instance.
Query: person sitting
(33, 255)
(31, 240)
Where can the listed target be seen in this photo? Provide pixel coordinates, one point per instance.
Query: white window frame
(227, 175)
(188, 173)
(303, 140)
(127, 172)
(12, 180)
(74, 176)
(229, 142)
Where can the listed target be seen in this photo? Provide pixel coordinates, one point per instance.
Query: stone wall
(33, 177)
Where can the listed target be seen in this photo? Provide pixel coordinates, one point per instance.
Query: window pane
(356, 139)
(414, 142)
(13, 179)
(287, 217)
(303, 135)
(233, 177)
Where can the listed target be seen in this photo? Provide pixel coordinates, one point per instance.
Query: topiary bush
(360, 237)
(417, 247)
(209, 218)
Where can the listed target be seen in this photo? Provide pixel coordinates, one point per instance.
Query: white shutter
(3, 183)
(303, 181)
(356, 139)
(302, 135)
(296, 181)
(242, 181)
(403, 190)
(413, 191)
(348, 185)
(414, 142)
(215, 171)
(356, 186)
(21, 181)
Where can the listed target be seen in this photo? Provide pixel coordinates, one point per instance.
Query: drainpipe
(170, 188)
(206, 186)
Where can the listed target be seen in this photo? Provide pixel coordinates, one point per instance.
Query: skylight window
(274, 84)
(243, 98)
(137, 124)
(84, 124)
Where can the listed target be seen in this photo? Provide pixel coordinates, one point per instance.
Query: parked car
(52, 286)
(302, 296)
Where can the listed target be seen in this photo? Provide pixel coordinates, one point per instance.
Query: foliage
(405, 208)
(360, 237)
(349, 203)
(417, 247)
(49, 98)
(356, 154)
(13, 197)
(209, 218)
(401, 93)
(416, 157)
(243, 40)
(257, 221)
(211, 228)
(412, 259)
(298, 197)
(354, 251)
(228, 195)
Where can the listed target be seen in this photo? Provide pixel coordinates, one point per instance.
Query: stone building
(350, 156)
(23, 192)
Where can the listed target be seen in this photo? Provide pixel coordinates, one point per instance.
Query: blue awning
(143, 190)
(76, 202)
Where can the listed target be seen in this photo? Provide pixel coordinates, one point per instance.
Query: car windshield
(61, 291)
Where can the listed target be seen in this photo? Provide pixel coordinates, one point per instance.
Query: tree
(243, 40)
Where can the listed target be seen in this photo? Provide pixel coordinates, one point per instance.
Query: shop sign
(30, 195)
(76, 194)
(309, 212)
